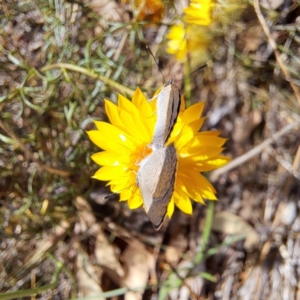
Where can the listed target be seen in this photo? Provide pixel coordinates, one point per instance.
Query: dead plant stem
(253, 152)
(273, 44)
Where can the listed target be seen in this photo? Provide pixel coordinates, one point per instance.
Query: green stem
(187, 83)
(206, 231)
(121, 88)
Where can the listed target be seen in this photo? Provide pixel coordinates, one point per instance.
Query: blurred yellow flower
(125, 143)
(189, 40)
(202, 19)
(199, 12)
(177, 44)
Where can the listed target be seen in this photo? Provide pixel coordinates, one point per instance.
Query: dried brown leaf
(85, 215)
(104, 252)
(88, 277)
(139, 264)
(107, 258)
(250, 39)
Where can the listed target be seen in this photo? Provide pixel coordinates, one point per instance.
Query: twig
(253, 152)
(273, 44)
(292, 169)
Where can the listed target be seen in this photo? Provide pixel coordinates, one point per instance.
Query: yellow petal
(181, 190)
(198, 154)
(102, 142)
(136, 127)
(183, 202)
(176, 132)
(196, 125)
(118, 184)
(177, 43)
(106, 158)
(198, 186)
(135, 201)
(127, 118)
(199, 13)
(112, 112)
(193, 113)
(126, 105)
(170, 209)
(214, 163)
(125, 195)
(146, 109)
(107, 173)
(140, 101)
(186, 135)
(114, 134)
(207, 140)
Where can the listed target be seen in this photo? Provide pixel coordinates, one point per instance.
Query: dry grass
(61, 240)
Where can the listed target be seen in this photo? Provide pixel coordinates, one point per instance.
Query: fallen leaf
(88, 281)
(104, 252)
(251, 38)
(107, 258)
(85, 215)
(139, 264)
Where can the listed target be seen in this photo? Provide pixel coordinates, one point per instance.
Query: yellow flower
(177, 44)
(191, 40)
(125, 143)
(199, 12)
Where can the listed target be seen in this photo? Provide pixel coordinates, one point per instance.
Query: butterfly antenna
(200, 68)
(156, 62)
